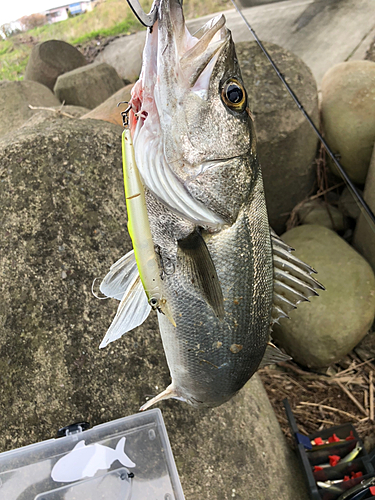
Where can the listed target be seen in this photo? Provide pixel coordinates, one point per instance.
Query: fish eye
(234, 95)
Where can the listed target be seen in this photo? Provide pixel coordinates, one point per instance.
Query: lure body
(139, 229)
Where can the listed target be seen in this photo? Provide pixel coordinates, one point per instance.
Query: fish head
(188, 109)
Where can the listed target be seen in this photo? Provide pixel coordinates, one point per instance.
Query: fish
(224, 273)
(85, 461)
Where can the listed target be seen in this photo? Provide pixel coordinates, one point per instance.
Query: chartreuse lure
(139, 229)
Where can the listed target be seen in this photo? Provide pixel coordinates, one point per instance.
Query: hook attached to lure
(139, 230)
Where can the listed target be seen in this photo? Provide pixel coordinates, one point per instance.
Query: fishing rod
(365, 209)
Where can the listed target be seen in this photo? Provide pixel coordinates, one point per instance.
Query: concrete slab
(321, 32)
(252, 3)
(125, 55)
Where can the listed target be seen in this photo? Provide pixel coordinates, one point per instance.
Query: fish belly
(209, 358)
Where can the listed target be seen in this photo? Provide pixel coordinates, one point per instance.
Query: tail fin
(121, 455)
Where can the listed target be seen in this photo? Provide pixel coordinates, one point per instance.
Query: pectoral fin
(123, 281)
(293, 280)
(198, 267)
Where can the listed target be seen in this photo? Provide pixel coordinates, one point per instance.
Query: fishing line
(365, 209)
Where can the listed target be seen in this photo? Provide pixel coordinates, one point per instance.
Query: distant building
(9, 29)
(65, 11)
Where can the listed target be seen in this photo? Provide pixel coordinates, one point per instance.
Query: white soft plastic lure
(85, 461)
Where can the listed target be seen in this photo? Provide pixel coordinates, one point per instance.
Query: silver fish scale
(209, 359)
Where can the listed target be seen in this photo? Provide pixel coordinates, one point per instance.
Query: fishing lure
(139, 229)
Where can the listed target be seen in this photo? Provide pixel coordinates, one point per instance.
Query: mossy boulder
(348, 205)
(322, 214)
(348, 114)
(62, 224)
(50, 59)
(53, 113)
(88, 86)
(322, 331)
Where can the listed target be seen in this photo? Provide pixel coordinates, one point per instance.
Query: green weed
(125, 27)
(109, 18)
(5, 46)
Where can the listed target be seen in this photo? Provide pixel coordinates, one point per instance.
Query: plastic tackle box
(355, 471)
(126, 459)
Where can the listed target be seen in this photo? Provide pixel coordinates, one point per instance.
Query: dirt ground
(343, 393)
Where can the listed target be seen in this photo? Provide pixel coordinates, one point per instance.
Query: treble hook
(147, 20)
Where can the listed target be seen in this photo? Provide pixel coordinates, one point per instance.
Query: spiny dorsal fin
(273, 355)
(293, 280)
(199, 268)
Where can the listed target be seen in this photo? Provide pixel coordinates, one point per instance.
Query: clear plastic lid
(126, 459)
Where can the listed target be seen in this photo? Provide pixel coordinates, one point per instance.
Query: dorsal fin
(293, 280)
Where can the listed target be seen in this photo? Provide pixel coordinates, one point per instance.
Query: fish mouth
(190, 57)
(176, 67)
(174, 58)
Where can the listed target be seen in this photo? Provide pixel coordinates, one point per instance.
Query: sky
(11, 10)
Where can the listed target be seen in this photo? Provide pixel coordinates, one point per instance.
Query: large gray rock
(286, 143)
(88, 86)
(364, 234)
(321, 332)
(50, 59)
(63, 223)
(15, 98)
(125, 55)
(348, 204)
(318, 212)
(348, 114)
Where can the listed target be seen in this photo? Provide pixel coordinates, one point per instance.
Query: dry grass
(344, 393)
